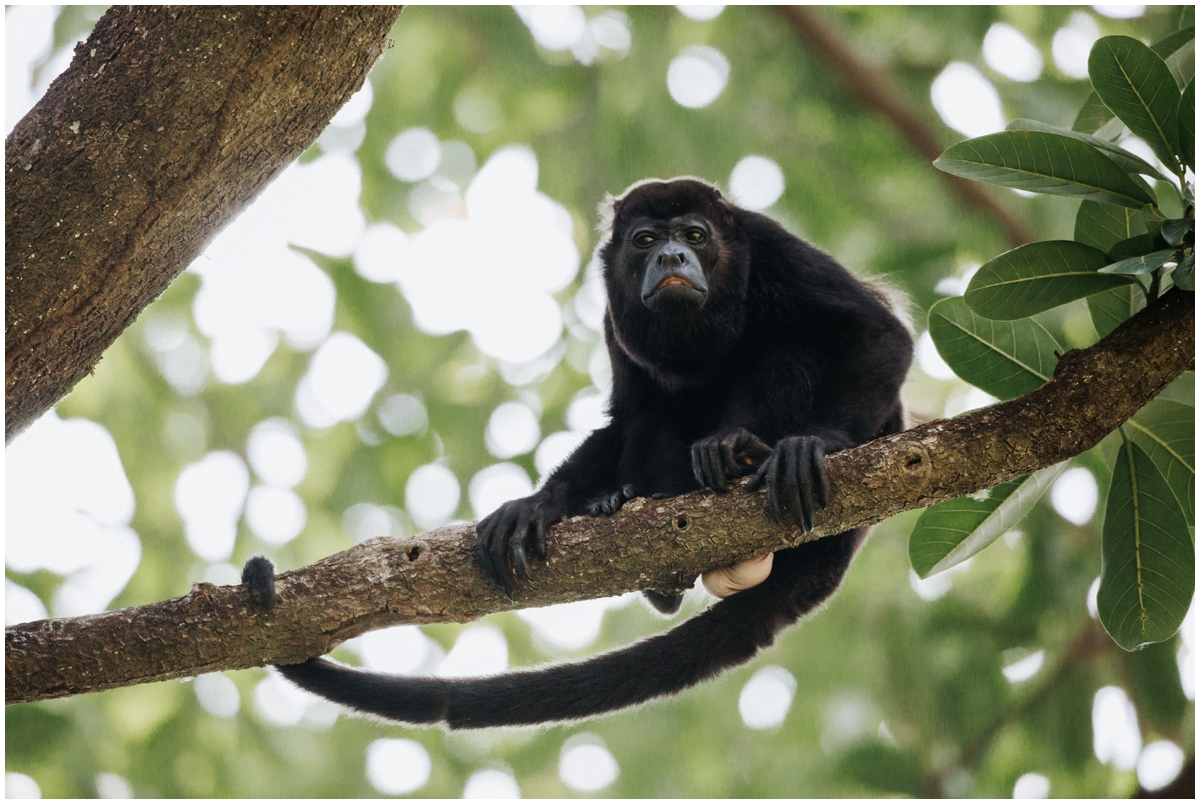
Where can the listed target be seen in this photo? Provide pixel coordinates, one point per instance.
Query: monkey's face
(673, 259)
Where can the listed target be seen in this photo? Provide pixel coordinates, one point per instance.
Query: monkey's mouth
(673, 280)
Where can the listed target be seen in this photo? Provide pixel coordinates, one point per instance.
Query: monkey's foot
(611, 503)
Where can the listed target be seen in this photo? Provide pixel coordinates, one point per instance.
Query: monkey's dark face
(673, 258)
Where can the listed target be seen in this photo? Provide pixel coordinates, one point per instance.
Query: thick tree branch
(875, 90)
(434, 577)
(167, 123)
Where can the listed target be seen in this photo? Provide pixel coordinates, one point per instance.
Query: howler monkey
(735, 347)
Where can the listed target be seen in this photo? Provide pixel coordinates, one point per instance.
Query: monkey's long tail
(725, 636)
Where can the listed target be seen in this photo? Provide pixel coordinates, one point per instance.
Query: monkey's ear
(608, 213)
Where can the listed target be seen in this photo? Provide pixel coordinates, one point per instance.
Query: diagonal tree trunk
(168, 122)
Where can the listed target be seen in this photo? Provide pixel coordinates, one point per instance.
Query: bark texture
(167, 123)
(435, 577)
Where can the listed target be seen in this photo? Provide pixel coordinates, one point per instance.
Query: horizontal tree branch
(435, 577)
(167, 123)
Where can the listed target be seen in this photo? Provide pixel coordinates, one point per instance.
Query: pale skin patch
(724, 581)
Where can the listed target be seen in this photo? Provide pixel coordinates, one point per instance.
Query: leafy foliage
(1147, 580)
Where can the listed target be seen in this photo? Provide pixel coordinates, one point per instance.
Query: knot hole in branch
(916, 462)
(680, 522)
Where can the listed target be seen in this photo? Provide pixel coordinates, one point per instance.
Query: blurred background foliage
(989, 681)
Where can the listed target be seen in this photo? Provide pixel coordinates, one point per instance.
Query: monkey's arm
(518, 527)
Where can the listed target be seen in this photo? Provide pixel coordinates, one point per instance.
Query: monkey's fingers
(794, 481)
(717, 474)
(747, 451)
(517, 541)
(498, 547)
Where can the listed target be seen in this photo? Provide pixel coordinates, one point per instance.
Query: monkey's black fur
(727, 335)
(258, 574)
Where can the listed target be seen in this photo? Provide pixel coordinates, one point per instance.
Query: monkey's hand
(725, 581)
(797, 480)
(720, 457)
(610, 503)
(516, 528)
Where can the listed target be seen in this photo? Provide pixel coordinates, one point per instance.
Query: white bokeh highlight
(1025, 667)
(571, 626)
(341, 381)
(495, 485)
(21, 605)
(218, 695)
(413, 155)
(701, 13)
(431, 495)
(1072, 44)
(1031, 785)
(113, 785)
(697, 76)
(400, 650)
(403, 415)
(586, 765)
(1159, 764)
(275, 515)
(1008, 52)
(398, 767)
(494, 272)
(379, 252)
(480, 650)
(1075, 495)
(766, 698)
(967, 101)
(491, 784)
(1115, 735)
(209, 496)
(512, 430)
(68, 505)
(756, 182)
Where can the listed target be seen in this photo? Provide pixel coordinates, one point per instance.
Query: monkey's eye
(695, 236)
(643, 239)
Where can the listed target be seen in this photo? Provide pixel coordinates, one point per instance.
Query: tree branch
(167, 123)
(435, 577)
(875, 91)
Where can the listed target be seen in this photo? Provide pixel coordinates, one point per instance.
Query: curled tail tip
(258, 575)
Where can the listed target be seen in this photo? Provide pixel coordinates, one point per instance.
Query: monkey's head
(676, 269)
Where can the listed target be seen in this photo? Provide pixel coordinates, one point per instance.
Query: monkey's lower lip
(673, 280)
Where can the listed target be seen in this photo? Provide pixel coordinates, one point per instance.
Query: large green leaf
(1187, 125)
(1092, 115)
(1138, 86)
(1169, 44)
(1035, 277)
(1104, 225)
(1182, 64)
(1004, 358)
(1166, 430)
(1113, 307)
(1125, 160)
(950, 532)
(1042, 162)
(1184, 276)
(1147, 561)
(1141, 264)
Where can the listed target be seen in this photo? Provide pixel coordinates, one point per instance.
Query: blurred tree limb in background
(167, 123)
(434, 577)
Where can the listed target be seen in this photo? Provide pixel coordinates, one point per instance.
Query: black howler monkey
(735, 346)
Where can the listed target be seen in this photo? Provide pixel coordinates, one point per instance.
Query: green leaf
(1112, 308)
(1174, 230)
(1184, 276)
(1036, 277)
(1182, 64)
(1147, 561)
(950, 532)
(1187, 125)
(1169, 44)
(1138, 86)
(1103, 225)
(1041, 162)
(1166, 430)
(1092, 115)
(1128, 162)
(1004, 358)
(1136, 266)
(1135, 246)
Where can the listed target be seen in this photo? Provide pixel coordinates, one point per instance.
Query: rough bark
(875, 91)
(167, 123)
(434, 577)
